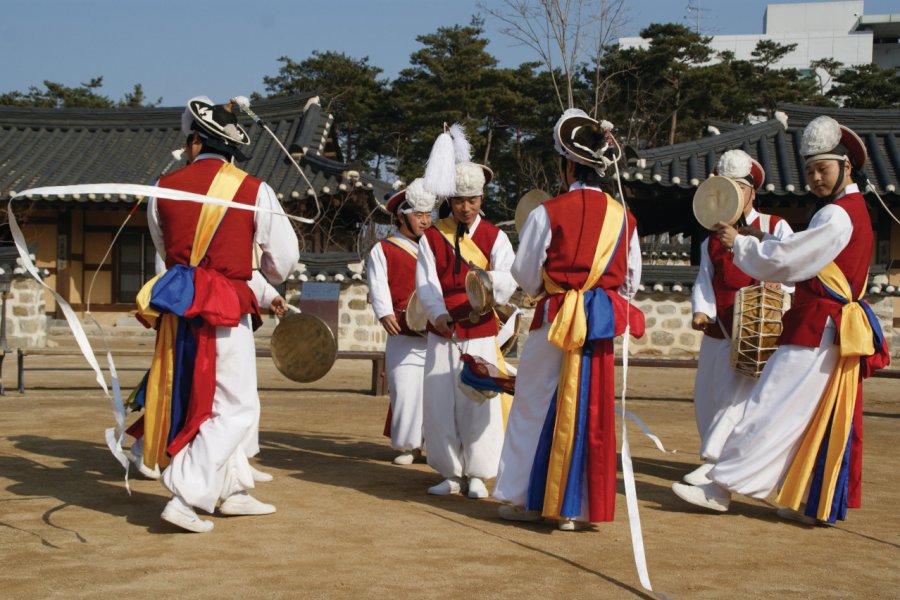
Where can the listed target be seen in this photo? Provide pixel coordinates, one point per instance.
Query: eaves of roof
(688, 164)
(50, 147)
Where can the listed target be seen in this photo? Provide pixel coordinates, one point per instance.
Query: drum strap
(821, 463)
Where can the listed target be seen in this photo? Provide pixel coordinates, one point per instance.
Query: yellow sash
(402, 246)
(471, 253)
(157, 406)
(837, 403)
(568, 332)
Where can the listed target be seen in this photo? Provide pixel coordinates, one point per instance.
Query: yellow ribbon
(836, 405)
(568, 332)
(471, 253)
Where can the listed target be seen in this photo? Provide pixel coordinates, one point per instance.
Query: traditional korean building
(70, 234)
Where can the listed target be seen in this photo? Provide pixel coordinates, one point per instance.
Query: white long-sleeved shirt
(273, 233)
(703, 296)
(535, 238)
(428, 285)
(801, 255)
(377, 274)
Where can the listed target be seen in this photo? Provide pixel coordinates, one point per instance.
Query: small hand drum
(416, 318)
(718, 199)
(480, 292)
(303, 347)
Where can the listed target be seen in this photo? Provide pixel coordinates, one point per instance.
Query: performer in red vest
(206, 297)
(720, 392)
(391, 271)
(800, 434)
(463, 435)
(579, 253)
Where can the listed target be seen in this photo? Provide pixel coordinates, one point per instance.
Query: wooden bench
(378, 385)
(379, 378)
(21, 353)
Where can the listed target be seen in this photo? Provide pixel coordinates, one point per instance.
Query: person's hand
(443, 324)
(390, 324)
(279, 306)
(700, 321)
(726, 234)
(751, 230)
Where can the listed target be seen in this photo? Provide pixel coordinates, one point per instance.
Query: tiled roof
(47, 147)
(688, 164)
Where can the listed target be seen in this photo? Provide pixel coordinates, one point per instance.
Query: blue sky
(178, 49)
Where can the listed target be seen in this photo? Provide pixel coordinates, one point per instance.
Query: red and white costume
(720, 392)
(214, 464)
(391, 271)
(463, 436)
(567, 259)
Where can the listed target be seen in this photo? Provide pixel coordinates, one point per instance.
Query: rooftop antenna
(693, 6)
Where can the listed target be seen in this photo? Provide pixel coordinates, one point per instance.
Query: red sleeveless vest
(576, 219)
(728, 279)
(401, 274)
(230, 252)
(454, 284)
(805, 322)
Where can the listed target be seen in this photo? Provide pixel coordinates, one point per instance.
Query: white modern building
(838, 30)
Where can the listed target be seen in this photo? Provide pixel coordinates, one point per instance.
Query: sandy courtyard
(352, 525)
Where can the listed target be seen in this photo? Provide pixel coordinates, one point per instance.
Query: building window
(135, 265)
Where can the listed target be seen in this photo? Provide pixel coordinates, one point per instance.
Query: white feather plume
(735, 164)
(820, 136)
(242, 102)
(461, 147)
(440, 170)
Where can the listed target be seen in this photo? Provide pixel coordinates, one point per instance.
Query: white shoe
(408, 457)
(451, 485)
(261, 476)
(790, 514)
(477, 489)
(179, 513)
(517, 512)
(711, 495)
(699, 475)
(243, 503)
(572, 525)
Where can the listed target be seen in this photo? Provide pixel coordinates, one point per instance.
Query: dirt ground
(352, 525)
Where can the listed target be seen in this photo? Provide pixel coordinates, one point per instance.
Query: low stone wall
(26, 323)
(667, 313)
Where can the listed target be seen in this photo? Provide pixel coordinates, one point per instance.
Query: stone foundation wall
(668, 322)
(26, 323)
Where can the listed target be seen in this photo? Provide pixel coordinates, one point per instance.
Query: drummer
(391, 271)
(798, 432)
(563, 241)
(463, 435)
(720, 392)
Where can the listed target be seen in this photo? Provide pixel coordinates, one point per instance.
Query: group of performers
(551, 447)
(795, 430)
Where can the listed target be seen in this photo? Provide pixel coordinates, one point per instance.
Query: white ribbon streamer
(149, 191)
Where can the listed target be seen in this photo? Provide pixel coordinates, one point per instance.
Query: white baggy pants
(404, 358)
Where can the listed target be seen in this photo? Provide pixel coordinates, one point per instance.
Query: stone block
(345, 318)
(361, 335)
(671, 324)
(687, 339)
(357, 304)
(365, 319)
(662, 338)
(650, 322)
(666, 309)
(21, 311)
